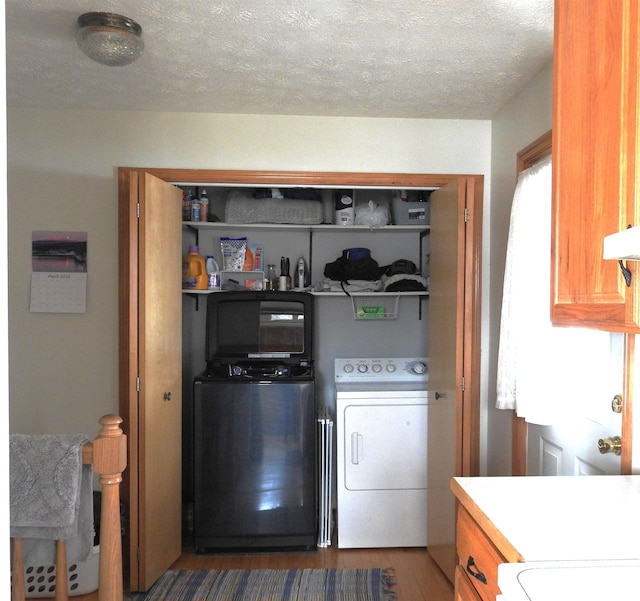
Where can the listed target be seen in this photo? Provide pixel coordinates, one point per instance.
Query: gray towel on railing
(51, 495)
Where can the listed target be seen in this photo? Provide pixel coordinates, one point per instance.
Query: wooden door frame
(128, 292)
(526, 158)
(128, 273)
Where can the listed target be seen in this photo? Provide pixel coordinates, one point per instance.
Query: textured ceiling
(363, 58)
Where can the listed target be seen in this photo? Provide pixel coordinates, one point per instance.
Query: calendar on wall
(59, 272)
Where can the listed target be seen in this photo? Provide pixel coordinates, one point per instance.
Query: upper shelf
(324, 227)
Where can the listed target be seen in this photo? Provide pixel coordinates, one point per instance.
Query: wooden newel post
(109, 461)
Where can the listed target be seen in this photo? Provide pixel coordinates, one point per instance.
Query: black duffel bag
(354, 268)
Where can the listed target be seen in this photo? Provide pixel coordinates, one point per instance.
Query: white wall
(518, 124)
(62, 176)
(4, 359)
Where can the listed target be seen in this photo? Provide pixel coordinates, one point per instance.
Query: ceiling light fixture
(109, 39)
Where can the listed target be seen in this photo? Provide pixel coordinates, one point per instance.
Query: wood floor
(418, 577)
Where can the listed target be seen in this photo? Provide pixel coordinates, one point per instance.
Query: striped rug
(273, 585)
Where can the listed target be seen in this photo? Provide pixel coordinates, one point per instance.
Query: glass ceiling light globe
(109, 39)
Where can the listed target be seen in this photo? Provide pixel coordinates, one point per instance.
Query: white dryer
(382, 410)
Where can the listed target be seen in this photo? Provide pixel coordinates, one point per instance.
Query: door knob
(610, 445)
(616, 404)
(167, 396)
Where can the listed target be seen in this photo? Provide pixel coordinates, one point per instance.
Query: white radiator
(325, 460)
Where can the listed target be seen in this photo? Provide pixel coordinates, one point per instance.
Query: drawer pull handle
(478, 575)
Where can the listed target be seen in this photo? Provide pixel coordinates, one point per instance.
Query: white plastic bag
(372, 215)
(233, 253)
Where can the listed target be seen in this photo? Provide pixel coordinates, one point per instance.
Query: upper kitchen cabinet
(595, 162)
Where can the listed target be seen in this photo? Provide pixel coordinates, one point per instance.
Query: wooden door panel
(150, 366)
(453, 350)
(160, 407)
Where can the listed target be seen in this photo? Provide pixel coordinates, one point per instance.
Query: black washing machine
(255, 429)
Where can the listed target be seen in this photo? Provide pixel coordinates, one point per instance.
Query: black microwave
(251, 326)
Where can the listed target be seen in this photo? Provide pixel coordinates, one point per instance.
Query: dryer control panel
(382, 370)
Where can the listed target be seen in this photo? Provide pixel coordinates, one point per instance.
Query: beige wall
(62, 176)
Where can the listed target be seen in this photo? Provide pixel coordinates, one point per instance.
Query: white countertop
(562, 518)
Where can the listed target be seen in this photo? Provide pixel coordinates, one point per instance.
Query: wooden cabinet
(480, 548)
(478, 559)
(595, 161)
(464, 590)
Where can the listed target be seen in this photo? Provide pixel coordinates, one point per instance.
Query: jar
(270, 279)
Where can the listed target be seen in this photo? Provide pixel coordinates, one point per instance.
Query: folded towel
(51, 492)
(352, 285)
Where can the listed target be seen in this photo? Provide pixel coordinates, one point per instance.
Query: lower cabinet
(464, 590)
(478, 560)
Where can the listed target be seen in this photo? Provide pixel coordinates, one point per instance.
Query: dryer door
(385, 446)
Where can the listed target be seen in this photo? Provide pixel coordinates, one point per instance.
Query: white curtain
(544, 373)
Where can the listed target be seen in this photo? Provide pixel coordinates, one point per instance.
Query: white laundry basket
(40, 581)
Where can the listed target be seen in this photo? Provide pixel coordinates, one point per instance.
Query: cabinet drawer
(464, 588)
(477, 555)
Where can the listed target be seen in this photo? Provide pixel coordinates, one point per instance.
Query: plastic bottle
(194, 274)
(213, 274)
(195, 210)
(300, 276)
(204, 205)
(271, 277)
(187, 197)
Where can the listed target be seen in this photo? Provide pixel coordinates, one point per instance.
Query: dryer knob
(419, 368)
(348, 368)
(377, 368)
(362, 368)
(391, 367)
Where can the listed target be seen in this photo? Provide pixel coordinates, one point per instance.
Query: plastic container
(82, 578)
(187, 197)
(410, 213)
(204, 205)
(344, 210)
(213, 274)
(195, 210)
(271, 278)
(194, 273)
(301, 276)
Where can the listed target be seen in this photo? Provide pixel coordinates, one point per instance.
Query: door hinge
(138, 384)
(466, 215)
(462, 384)
(138, 210)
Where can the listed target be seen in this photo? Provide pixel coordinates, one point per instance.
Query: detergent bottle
(194, 274)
